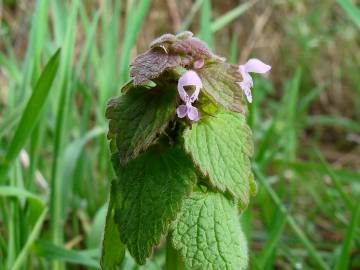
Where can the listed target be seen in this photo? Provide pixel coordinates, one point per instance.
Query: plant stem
(173, 258)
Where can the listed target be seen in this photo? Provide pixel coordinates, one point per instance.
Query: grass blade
(71, 159)
(343, 260)
(32, 237)
(205, 23)
(131, 32)
(231, 15)
(307, 99)
(187, 21)
(88, 44)
(52, 252)
(336, 121)
(63, 111)
(31, 113)
(292, 223)
(110, 28)
(271, 244)
(9, 191)
(336, 183)
(7, 124)
(351, 10)
(36, 43)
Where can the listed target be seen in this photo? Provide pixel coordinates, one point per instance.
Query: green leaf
(32, 112)
(221, 146)
(113, 250)
(208, 235)
(220, 85)
(149, 194)
(138, 117)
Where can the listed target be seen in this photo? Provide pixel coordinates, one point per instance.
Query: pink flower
(189, 78)
(253, 65)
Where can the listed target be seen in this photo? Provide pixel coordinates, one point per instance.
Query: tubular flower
(252, 65)
(189, 78)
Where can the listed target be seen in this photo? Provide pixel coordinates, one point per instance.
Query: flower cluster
(191, 78)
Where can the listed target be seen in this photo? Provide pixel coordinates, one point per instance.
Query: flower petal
(245, 75)
(246, 88)
(193, 113)
(182, 111)
(198, 63)
(182, 93)
(189, 78)
(256, 66)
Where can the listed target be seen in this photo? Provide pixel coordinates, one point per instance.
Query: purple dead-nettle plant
(181, 151)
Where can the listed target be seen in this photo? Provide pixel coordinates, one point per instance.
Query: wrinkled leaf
(219, 84)
(151, 64)
(193, 47)
(208, 235)
(149, 194)
(138, 117)
(221, 146)
(169, 51)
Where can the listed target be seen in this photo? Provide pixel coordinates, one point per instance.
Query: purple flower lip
(189, 78)
(254, 66)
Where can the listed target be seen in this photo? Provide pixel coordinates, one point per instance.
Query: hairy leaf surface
(208, 234)
(169, 51)
(220, 146)
(150, 191)
(137, 117)
(151, 64)
(220, 84)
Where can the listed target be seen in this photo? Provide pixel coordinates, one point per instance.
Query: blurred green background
(54, 160)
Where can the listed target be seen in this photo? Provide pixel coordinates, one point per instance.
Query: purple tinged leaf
(192, 46)
(167, 52)
(151, 64)
(160, 41)
(185, 35)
